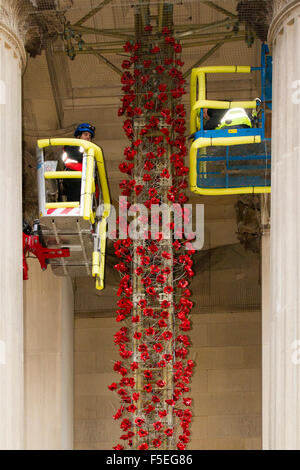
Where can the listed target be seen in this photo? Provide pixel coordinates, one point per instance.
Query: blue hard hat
(85, 127)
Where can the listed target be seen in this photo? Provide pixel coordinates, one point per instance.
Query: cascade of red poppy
(154, 298)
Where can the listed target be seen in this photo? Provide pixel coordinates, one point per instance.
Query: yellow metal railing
(198, 92)
(61, 205)
(199, 101)
(93, 153)
(220, 141)
(62, 174)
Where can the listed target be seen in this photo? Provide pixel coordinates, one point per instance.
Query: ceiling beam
(55, 86)
(203, 58)
(107, 62)
(92, 12)
(103, 32)
(220, 9)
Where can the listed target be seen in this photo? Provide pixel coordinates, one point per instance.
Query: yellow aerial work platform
(80, 226)
(230, 159)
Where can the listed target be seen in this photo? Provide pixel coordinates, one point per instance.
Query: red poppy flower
(180, 446)
(149, 409)
(177, 48)
(148, 388)
(139, 421)
(150, 331)
(161, 279)
(153, 248)
(168, 357)
(162, 97)
(131, 408)
(143, 131)
(155, 50)
(145, 356)
(161, 150)
(157, 425)
(137, 335)
(126, 424)
(147, 177)
(155, 399)
(169, 40)
(161, 364)
(151, 291)
(142, 433)
(118, 413)
(142, 303)
(126, 64)
(135, 319)
(164, 314)
(182, 284)
(137, 111)
(138, 271)
(149, 104)
(161, 383)
(148, 374)
(167, 335)
(148, 312)
(166, 255)
(128, 46)
(145, 79)
(158, 347)
(170, 402)
(162, 323)
(168, 432)
(148, 166)
(187, 401)
(159, 69)
(148, 28)
(143, 446)
(156, 443)
(168, 290)
(137, 142)
(118, 447)
(162, 414)
(113, 386)
(145, 260)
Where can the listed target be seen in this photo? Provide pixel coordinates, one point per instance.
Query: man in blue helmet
(72, 158)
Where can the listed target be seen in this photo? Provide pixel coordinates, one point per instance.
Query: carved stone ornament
(46, 23)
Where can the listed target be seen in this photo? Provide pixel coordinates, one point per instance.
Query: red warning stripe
(67, 210)
(50, 211)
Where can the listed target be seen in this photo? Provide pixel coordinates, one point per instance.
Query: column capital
(282, 10)
(13, 27)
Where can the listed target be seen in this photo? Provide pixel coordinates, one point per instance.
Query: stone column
(12, 60)
(265, 307)
(284, 401)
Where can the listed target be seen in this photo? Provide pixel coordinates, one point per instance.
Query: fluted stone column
(266, 309)
(284, 401)
(12, 60)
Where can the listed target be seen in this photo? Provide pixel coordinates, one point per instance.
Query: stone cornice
(13, 25)
(282, 9)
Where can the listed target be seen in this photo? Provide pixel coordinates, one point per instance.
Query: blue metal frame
(266, 92)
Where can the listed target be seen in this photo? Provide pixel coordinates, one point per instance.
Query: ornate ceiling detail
(257, 15)
(13, 17)
(46, 23)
